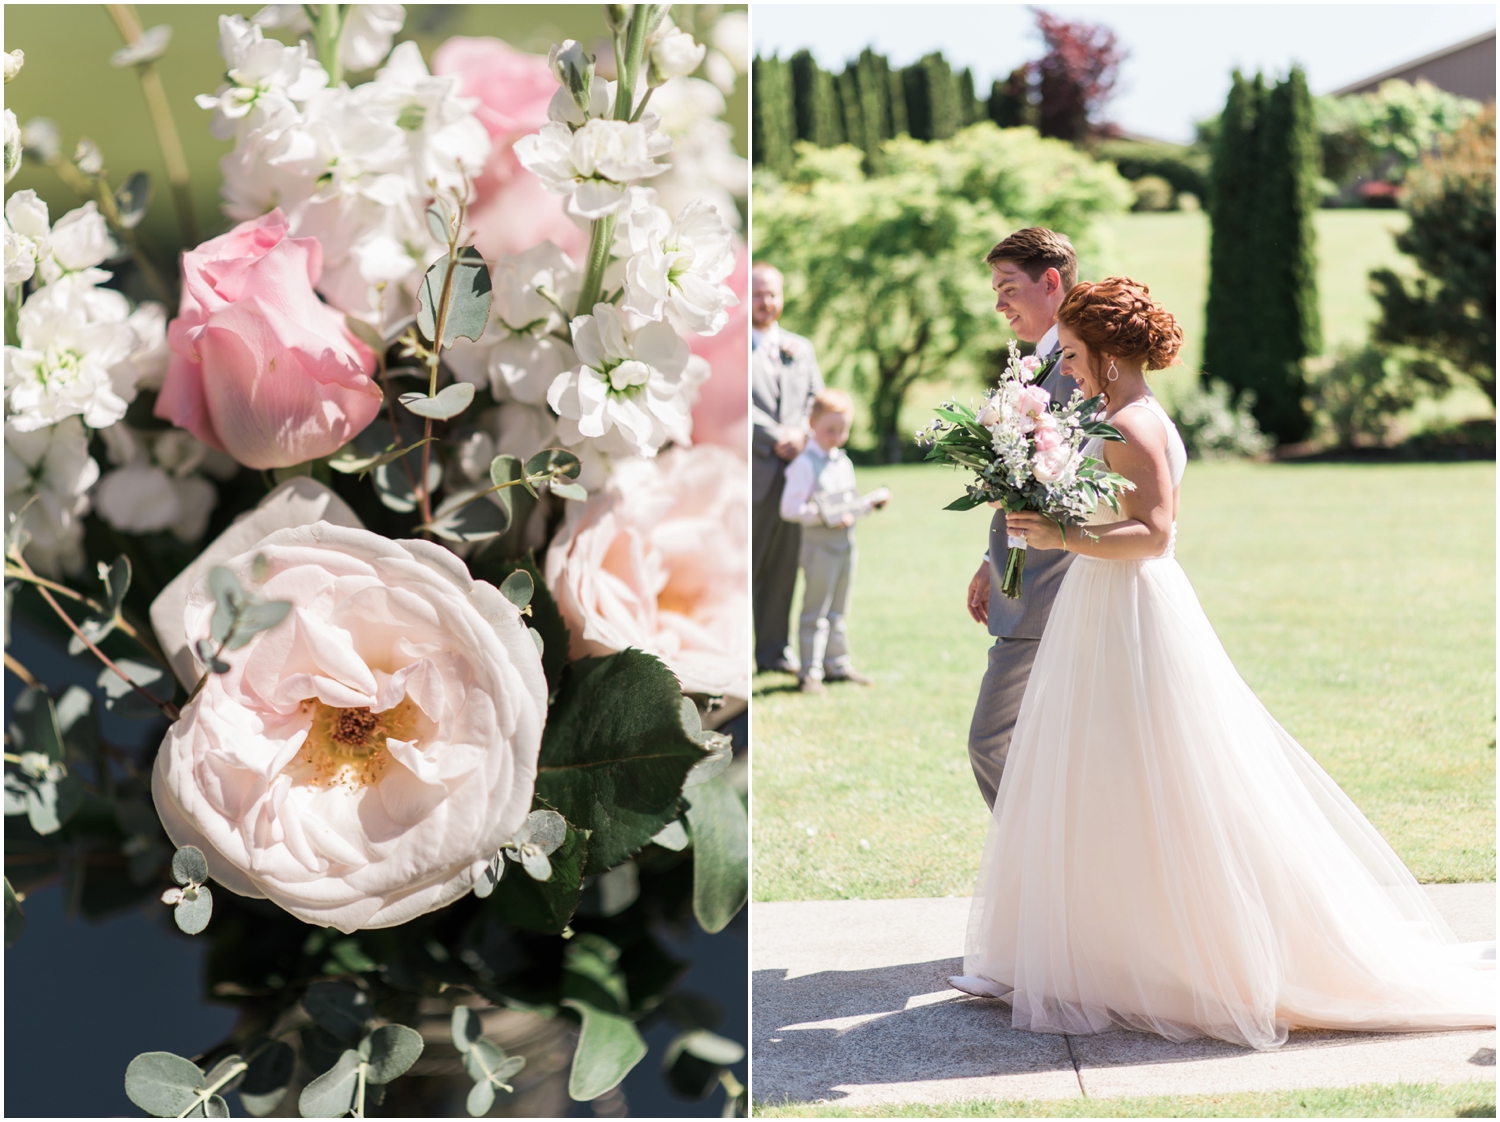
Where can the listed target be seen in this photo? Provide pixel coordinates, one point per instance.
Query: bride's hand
(1039, 531)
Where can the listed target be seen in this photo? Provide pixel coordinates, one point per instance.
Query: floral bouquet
(1027, 454)
(399, 540)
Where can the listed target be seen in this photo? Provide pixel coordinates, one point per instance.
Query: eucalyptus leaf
(266, 1082)
(365, 334)
(489, 876)
(255, 617)
(132, 199)
(122, 700)
(207, 654)
(466, 1026)
(163, 1084)
(193, 912)
(481, 1098)
(571, 491)
(465, 518)
(225, 588)
(394, 486)
(519, 503)
(672, 836)
(545, 829)
(189, 866)
(517, 588)
(222, 1069)
(348, 460)
(468, 302)
(608, 1047)
(721, 853)
(446, 404)
(331, 1095)
(393, 1049)
(214, 1107)
(536, 865)
(342, 1009)
(556, 461)
(33, 725)
(438, 221)
(487, 1063)
(708, 1046)
(15, 918)
(545, 906)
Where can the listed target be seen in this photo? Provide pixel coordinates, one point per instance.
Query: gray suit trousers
(774, 547)
(828, 557)
(995, 712)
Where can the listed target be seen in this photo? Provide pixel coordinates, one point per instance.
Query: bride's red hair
(1118, 317)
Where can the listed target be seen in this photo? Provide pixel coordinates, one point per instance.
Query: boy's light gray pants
(827, 560)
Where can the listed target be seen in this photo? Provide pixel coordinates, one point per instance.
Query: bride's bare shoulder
(1142, 429)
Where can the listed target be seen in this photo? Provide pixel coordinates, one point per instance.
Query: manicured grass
(1373, 1100)
(1169, 253)
(1358, 602)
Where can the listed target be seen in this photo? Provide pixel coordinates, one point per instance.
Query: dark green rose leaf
(615, 754)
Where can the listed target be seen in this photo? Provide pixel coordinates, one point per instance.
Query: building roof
(1466, 68)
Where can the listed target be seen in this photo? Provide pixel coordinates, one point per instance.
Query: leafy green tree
(1448, 311)
(886, 273)
(1383, 135)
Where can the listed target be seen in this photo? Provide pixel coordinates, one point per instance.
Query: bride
(1163, 856)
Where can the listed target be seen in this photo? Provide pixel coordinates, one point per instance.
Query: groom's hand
(979, 595)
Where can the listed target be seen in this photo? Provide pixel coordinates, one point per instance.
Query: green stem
(328, 31)
(477, 495)
(19, 671)
(26, 575)
(635, 48)
(209, 1092)
(601, 239)
(359, 1095)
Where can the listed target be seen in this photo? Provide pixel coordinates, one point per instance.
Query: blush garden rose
(363, 759)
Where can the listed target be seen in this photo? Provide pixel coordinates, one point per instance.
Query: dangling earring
(1113, 375)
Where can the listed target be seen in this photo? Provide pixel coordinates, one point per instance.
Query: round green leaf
(556, 461)
(608, 1047)
(517, 588)
(465, 1027)
(393, 1049)
(266, 1082)
(342, 1009)
(708, 1046)
(162, 1084)
(122, 700)
(447, 403)
(481, 1098)
(463, 518)
(192, 915)
(469, 297)
(437, 221)
(189, 866)
(365, 334)
(573, 491)
(331, 1095)
(546, 829)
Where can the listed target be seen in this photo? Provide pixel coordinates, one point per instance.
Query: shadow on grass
(1471, 440)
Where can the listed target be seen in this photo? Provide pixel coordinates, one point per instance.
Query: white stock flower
(69, 363)
(78, 243)
(27, 235)
(631, 392)
(53, 467)
(265, 78)
(368, 30)
(673, 53)
(595, 164)
(148, 492)
(14, 60)
(731, 37)
(528, 356)
(704, 162)
(563, 109)
(677, 268)
(13, 146)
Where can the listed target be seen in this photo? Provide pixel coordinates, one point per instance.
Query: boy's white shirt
(814, 471)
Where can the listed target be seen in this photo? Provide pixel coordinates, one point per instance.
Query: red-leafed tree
(1076, 76)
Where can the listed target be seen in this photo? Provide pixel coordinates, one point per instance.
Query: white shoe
(976, 986)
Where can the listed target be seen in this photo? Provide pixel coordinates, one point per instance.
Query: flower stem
(15, 573)
(1015, 566)
(172, 154)
(19, 671)
(328, 32)
(601, 239)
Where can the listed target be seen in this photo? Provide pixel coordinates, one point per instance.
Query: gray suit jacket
(783, 378)
(1026, 617)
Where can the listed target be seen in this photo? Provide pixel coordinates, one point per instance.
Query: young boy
(820, 493)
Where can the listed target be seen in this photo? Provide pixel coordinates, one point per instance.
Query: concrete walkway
(852, 1005)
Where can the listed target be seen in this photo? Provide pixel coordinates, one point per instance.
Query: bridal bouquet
(401, 469)
(1027, 454)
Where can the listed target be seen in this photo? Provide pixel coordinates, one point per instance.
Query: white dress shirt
(1047, 343)
(816, 472)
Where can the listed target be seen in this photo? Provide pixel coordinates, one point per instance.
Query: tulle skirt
(1163, 856)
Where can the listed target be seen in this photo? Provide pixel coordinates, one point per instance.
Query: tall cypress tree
(1287, 247)
(773, 122)
(872, 77)
(850, 110)
(804, 70)
(969, 107)
(896, 102)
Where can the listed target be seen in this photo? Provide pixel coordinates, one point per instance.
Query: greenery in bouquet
(1027, 453)
(414, 507)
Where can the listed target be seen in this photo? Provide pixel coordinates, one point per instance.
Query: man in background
(784, 376)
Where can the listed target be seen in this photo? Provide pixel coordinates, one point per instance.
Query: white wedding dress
(1163, 856)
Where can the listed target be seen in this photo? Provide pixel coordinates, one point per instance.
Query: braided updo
(1118, 317)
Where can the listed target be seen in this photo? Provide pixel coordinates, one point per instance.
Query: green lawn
(1169, 253)
(1358, 601)
(1375, 1100)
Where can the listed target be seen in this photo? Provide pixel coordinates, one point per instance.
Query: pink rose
(721, 415)
(1049, 463)
(1031, 364)
(659, 561)
(261, 368)
(1046, 435)
(512, 210)
(1033, 401)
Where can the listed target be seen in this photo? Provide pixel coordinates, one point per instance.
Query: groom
(1032, 270)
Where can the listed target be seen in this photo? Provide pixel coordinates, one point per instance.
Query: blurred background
(108, 981)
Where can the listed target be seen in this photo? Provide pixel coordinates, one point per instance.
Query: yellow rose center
(346, 747)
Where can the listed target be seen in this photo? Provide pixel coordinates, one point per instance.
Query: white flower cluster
(355, 167)
(619, 378)
(81, 356)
